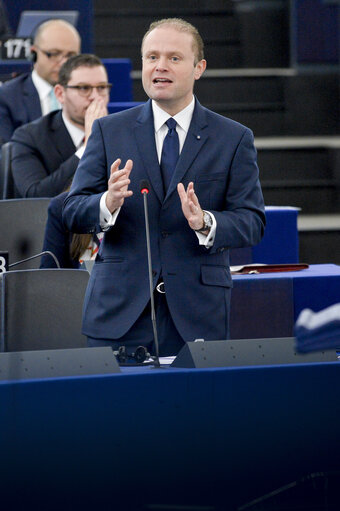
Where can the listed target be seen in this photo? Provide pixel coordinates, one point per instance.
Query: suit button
(154, 273)
(165, 234)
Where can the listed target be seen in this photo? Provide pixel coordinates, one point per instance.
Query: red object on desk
(250, 269)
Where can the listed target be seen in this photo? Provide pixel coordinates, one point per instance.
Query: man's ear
(59, 92)
(200, 68)
(33, 54)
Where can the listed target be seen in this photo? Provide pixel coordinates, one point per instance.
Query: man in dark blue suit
(212, 202)
(30, 95)
(46, 152)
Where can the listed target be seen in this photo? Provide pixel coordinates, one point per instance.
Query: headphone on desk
(139, 356)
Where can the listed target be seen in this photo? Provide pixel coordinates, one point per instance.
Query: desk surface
(271, 302)
(154, 434)
(316, 287)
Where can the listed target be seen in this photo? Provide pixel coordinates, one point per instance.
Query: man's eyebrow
(98, 84)
(61, 51)
(170, 52)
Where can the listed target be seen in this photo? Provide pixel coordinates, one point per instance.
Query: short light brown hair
(181, 26)
(81, 60)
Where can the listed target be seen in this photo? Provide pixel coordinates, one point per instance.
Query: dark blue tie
(170, 153)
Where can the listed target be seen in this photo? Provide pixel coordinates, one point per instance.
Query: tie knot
(171, 123)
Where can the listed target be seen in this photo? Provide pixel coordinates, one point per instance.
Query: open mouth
(161, 80)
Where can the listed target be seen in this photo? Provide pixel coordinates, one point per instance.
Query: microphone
(46, 252)
(144, 189)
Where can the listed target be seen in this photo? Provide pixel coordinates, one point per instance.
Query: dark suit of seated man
(57, 239)
(30, 95)
(70, 249)
(46, 152)
(204, 198)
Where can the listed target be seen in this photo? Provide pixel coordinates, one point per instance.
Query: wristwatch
(207, 223)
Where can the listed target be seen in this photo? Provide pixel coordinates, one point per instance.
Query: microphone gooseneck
(144, 188)
(46, 252)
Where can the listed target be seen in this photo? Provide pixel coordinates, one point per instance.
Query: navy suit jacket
(19, 104)
(43, 157)
(57, 239)
(220, 158)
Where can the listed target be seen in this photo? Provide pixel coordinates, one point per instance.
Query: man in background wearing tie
(46, 152)
(30, 95)
(204, 198)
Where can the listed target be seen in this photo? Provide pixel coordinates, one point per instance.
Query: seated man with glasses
(46, 152)
(31, 95)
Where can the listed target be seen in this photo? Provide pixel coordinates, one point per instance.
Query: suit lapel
(62, 140)
(145, 138)
(31, 100)
(195, 140)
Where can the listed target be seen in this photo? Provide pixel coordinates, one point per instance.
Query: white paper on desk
(240, 268)
(162, 360)
(166, 360)
(312, 320)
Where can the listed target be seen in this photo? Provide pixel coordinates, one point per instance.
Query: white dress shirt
(77, 135)
(183, 119)
(43, 89)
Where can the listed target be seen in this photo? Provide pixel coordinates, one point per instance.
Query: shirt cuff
(106, 219)
(80, 151)
(207, 240)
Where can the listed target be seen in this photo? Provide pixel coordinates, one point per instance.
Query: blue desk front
(8, 68)
(267, 305)
(172, 435)
(280, 243)
(118, 71)
(118, 106)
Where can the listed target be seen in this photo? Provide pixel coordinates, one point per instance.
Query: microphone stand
(144, 191)
(46, 252)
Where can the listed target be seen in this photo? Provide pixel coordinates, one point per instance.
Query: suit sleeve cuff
(79, 153)
(106, 219)
(207, 240)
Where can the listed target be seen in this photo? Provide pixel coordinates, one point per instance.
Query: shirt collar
(183, 118)
(42, 86)
(75, 133)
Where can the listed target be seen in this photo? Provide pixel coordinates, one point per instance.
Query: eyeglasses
(86, 90)
(56, 56)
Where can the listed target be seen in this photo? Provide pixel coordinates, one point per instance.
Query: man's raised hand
(118, 185)
(190, 206)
